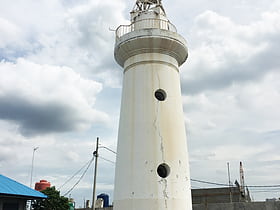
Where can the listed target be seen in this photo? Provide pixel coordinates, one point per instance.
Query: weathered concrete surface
(271, 205)
(239, 206)
(152, 166)
(218, 195)
(107, 208)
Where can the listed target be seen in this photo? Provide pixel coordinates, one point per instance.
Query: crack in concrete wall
(158, 131)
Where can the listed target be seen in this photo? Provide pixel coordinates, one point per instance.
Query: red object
(42, 185)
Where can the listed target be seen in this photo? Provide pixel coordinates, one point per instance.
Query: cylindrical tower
(152, 168)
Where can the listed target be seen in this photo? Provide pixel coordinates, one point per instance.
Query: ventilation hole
(163, 170)
(160, 95)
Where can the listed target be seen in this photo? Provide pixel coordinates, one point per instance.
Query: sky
(60, 89)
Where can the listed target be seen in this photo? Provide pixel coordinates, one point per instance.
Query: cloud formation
(58, 78)
(225, 53)
(43, 99)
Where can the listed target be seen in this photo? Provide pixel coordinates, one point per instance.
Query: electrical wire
(79, 178)
(68, 180)
(264, 191)
(206, 182)
(108, 149)
(264, 186)
(107, 160)
(251, 186)
(276, 186)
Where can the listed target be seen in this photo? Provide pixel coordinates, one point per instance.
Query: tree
(53, 202)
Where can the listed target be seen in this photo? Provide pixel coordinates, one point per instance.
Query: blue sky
(61, 88)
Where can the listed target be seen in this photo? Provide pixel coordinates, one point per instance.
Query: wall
(20, 203)
(270, 205)
(216, 195)
(108, 208)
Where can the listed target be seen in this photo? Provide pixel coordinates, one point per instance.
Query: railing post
(149, 23)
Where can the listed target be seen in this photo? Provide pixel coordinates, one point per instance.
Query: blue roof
(10, 187)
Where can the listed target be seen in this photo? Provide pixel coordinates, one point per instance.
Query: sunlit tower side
(152, 168)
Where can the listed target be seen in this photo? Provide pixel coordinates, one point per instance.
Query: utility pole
(229, 184)
(31, 175)
(242, 181)
(95, 154)
(32, 164)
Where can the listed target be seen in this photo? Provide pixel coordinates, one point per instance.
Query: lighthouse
(152, 166)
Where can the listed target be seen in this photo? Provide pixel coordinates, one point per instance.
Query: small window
(163, 170)
(160, 95)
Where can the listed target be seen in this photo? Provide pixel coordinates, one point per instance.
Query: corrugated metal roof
(10, 187)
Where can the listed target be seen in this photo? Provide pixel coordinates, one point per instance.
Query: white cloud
(84, 41)
(250, 106)
(247, 129)
(9, 33)
(223, 52)
(53, 51)
(45, 98)
(51, 55)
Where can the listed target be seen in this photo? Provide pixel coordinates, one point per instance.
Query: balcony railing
(145, 24)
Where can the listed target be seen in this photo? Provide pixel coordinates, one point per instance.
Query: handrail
(145, 24)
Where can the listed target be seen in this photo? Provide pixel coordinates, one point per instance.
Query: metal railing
(145, 24)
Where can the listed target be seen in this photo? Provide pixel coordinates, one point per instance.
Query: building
(219, 195)
(152, 166)
(13, 195)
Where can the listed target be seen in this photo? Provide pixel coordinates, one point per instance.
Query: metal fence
(145, 23)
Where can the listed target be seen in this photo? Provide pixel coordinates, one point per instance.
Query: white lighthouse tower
(152, 168)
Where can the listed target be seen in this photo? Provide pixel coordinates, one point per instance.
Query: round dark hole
(163, 170)
(160, 95)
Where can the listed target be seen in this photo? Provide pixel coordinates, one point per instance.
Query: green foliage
(53, 202)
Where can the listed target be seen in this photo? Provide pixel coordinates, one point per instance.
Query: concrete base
(107, 208)
(270, 205)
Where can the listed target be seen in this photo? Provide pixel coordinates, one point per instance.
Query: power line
(264, 191)
(107, 160)
(193, 180)
(206, 182)
(79, 178)
(87, 165)
(270, 189)
(260, 186)
(68, 180)
(108, 149)
(251, 186)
